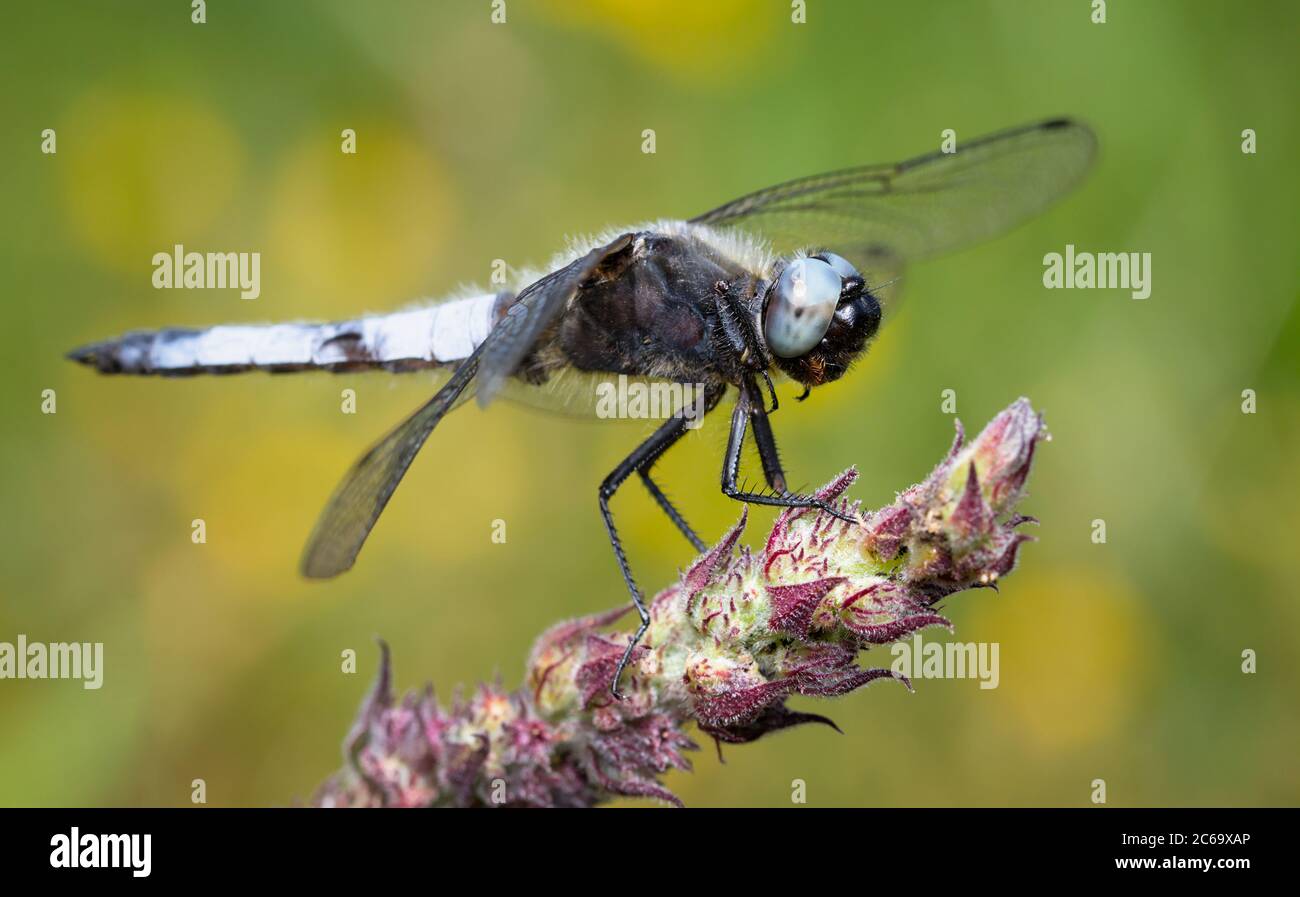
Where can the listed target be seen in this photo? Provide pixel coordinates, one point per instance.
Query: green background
(476, 141)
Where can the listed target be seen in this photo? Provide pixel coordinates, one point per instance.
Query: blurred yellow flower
(352, 232)
(683, 37)
(143, 172)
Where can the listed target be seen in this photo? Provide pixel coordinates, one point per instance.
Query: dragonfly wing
(366, 488)
(536, 309)
(359, 500)
(881, 217)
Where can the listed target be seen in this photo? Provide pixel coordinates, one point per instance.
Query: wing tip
(1066, 123)
(316, 568)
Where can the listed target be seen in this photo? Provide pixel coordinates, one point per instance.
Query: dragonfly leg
(673, 514)
(767, 451)
(642, 459)
(750, 407)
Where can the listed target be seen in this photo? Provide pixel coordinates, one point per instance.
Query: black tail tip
(87, 354)
(104, 356)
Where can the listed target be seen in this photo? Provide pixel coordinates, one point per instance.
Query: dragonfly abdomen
(402, 341)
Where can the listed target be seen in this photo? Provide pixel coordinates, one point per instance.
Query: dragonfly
(787, 282)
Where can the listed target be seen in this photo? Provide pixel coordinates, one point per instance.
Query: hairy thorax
(653, 312)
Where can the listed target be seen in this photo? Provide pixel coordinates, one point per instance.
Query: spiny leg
(746, 408)
(673, 514)
(706, 402)
(643, 457)
(767, 452)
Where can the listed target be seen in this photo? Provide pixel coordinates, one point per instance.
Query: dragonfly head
(817, 317)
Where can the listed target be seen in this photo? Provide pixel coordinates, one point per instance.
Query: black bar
(214, 846)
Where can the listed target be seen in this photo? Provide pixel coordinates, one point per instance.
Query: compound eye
(843, 267)
(801, 307)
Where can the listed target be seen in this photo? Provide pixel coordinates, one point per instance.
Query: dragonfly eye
(800, 307)
(843, 267)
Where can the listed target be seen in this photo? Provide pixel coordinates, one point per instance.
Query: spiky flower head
(739, 633)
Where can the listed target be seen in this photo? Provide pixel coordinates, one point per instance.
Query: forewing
(883, 216)
(534, 310)
(366, 488)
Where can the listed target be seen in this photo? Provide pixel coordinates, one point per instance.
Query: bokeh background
(477, 141)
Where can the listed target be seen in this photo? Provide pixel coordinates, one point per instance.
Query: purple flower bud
(726, 647)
